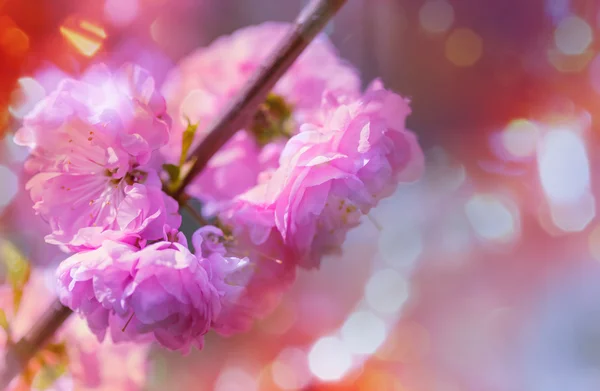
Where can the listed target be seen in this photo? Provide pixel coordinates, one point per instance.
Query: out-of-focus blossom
(74, 359)
(160, 290)
(25, 230)
(250, 286)
(89, 141)
(331, 174)
(207, 80)
(104, 366)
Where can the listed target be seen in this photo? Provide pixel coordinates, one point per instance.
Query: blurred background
(484, 275)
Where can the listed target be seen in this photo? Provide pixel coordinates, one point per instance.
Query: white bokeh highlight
(387, 291)
(329, 359)
(491, 218)
(573, 35)
(400, 248)
(574, 217)
(290, 369)
(520, 138)
(235, 379)
(363, 332)
(563, 166)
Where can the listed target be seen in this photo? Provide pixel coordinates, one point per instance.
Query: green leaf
(173, 171)
(186, 143)
(4, 323)
(18, 270)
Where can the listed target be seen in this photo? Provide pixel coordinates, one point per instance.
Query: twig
(238, 114)
(242, 109)
(19, 355)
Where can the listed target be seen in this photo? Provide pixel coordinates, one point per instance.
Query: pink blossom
(233, 170)
(90, 140)
(104, 366)
(331, 174)
(159, 291)
(92, 282)
(250, 282)
(205, 81)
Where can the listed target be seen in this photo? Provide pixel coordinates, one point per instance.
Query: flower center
(172, 236)
(272, 121)
(227, 238)
(133, 176)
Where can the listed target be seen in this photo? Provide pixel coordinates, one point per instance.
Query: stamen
(375, 222)
(128, 321)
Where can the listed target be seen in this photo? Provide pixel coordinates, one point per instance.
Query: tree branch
(237, 115)
(241, 110)
(19, 354)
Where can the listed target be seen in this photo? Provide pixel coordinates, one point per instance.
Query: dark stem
(240, 111)
(237, 115)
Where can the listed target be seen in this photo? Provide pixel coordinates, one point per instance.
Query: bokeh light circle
(386, 291)
(436, 16)
(363, 332)
(573, 35)
(329, 359)
(290, 369)
(464, 47)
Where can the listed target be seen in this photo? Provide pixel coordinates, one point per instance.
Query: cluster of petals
(250, 279)
(96, 144)
(206, 81)
(160, 291)
(332, 173)
(92, 143)
(164, 292)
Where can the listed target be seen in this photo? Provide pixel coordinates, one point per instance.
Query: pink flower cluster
(91, 144)
(332, 173)
(317, 156)
(161, 289)
(206, 80)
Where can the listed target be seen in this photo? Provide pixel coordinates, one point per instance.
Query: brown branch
(19, 354)
(241, 110)
(237, 115)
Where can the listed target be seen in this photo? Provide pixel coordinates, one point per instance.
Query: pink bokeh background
(482, 276)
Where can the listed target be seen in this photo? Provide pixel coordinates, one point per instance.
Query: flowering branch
(242, 109)
(310, 22)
